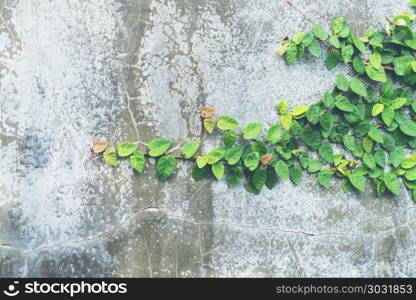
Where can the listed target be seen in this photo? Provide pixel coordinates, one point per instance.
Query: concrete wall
(72, 72)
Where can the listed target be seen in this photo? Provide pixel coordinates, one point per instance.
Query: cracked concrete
(72, 72)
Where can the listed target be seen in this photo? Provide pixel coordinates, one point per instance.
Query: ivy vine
(369, 116)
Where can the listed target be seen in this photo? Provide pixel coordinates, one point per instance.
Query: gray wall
(72, 72)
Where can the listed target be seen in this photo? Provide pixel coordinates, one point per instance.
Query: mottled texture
(72, 72)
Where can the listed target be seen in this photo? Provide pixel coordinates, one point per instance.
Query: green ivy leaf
(347, 53)
(304, 159)
(252, 130)
(315, 165)
(392, 183)
(259, 178)
(342, 103)
(218, 170)
(312, 115)
(342, 83)
(215, 155)
(387, 115)
(397, 156)
(375, 60)
(311, 137)
(358, 65)
(362, 128)
(249, 186)
(227, 123)
(138, 161)
(281, 169)
(408, 127)
(209, 124)
(358, 87)
(334, 41)
(110, 157)
(274, 134)
(295, 174)
(320, 33)
(380, 158)
(376, 75)
(290, 54)
(358, 181)
(229, 138)
(157, 147)
(346, 185)
(367, 144)
(408, 162)
(369, 160)
(375, 134)
(201, 161)
(189, 149)
(315, 48)
(402, 65)
(234, 176)
(332, 59)
(165, 167)
(410, 174)
(380, 188)
(271, 179)
(297, 38)
(337, 25)
(199, 173)
(398, 102)
(325, 177)
(126, 148)
(233, 155)
(251, 160)
(326, 152)
(359, 44)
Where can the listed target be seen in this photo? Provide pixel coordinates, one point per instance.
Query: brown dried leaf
(266, 159)
(99, 146)
(207, 112)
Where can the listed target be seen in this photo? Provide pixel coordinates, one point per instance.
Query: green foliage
(282, 170)
(165, 167)
(370, 117)
(252, 130)
(138, 161)
(125, 149)
(158, 147)
(189, 149)
(227, 123)
(110, 157)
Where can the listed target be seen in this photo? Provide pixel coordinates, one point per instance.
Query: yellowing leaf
(99, 146)
(201, 161)
(209, 124)
(281, 50)
(286, 121)
(378, 108)
(299, 110)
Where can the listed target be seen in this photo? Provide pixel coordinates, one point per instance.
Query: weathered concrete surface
(76, 71)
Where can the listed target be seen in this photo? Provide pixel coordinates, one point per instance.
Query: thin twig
(301, 11)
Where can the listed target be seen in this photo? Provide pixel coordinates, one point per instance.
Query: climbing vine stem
(361, 131)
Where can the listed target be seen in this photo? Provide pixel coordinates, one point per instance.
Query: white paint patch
(59, 96)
